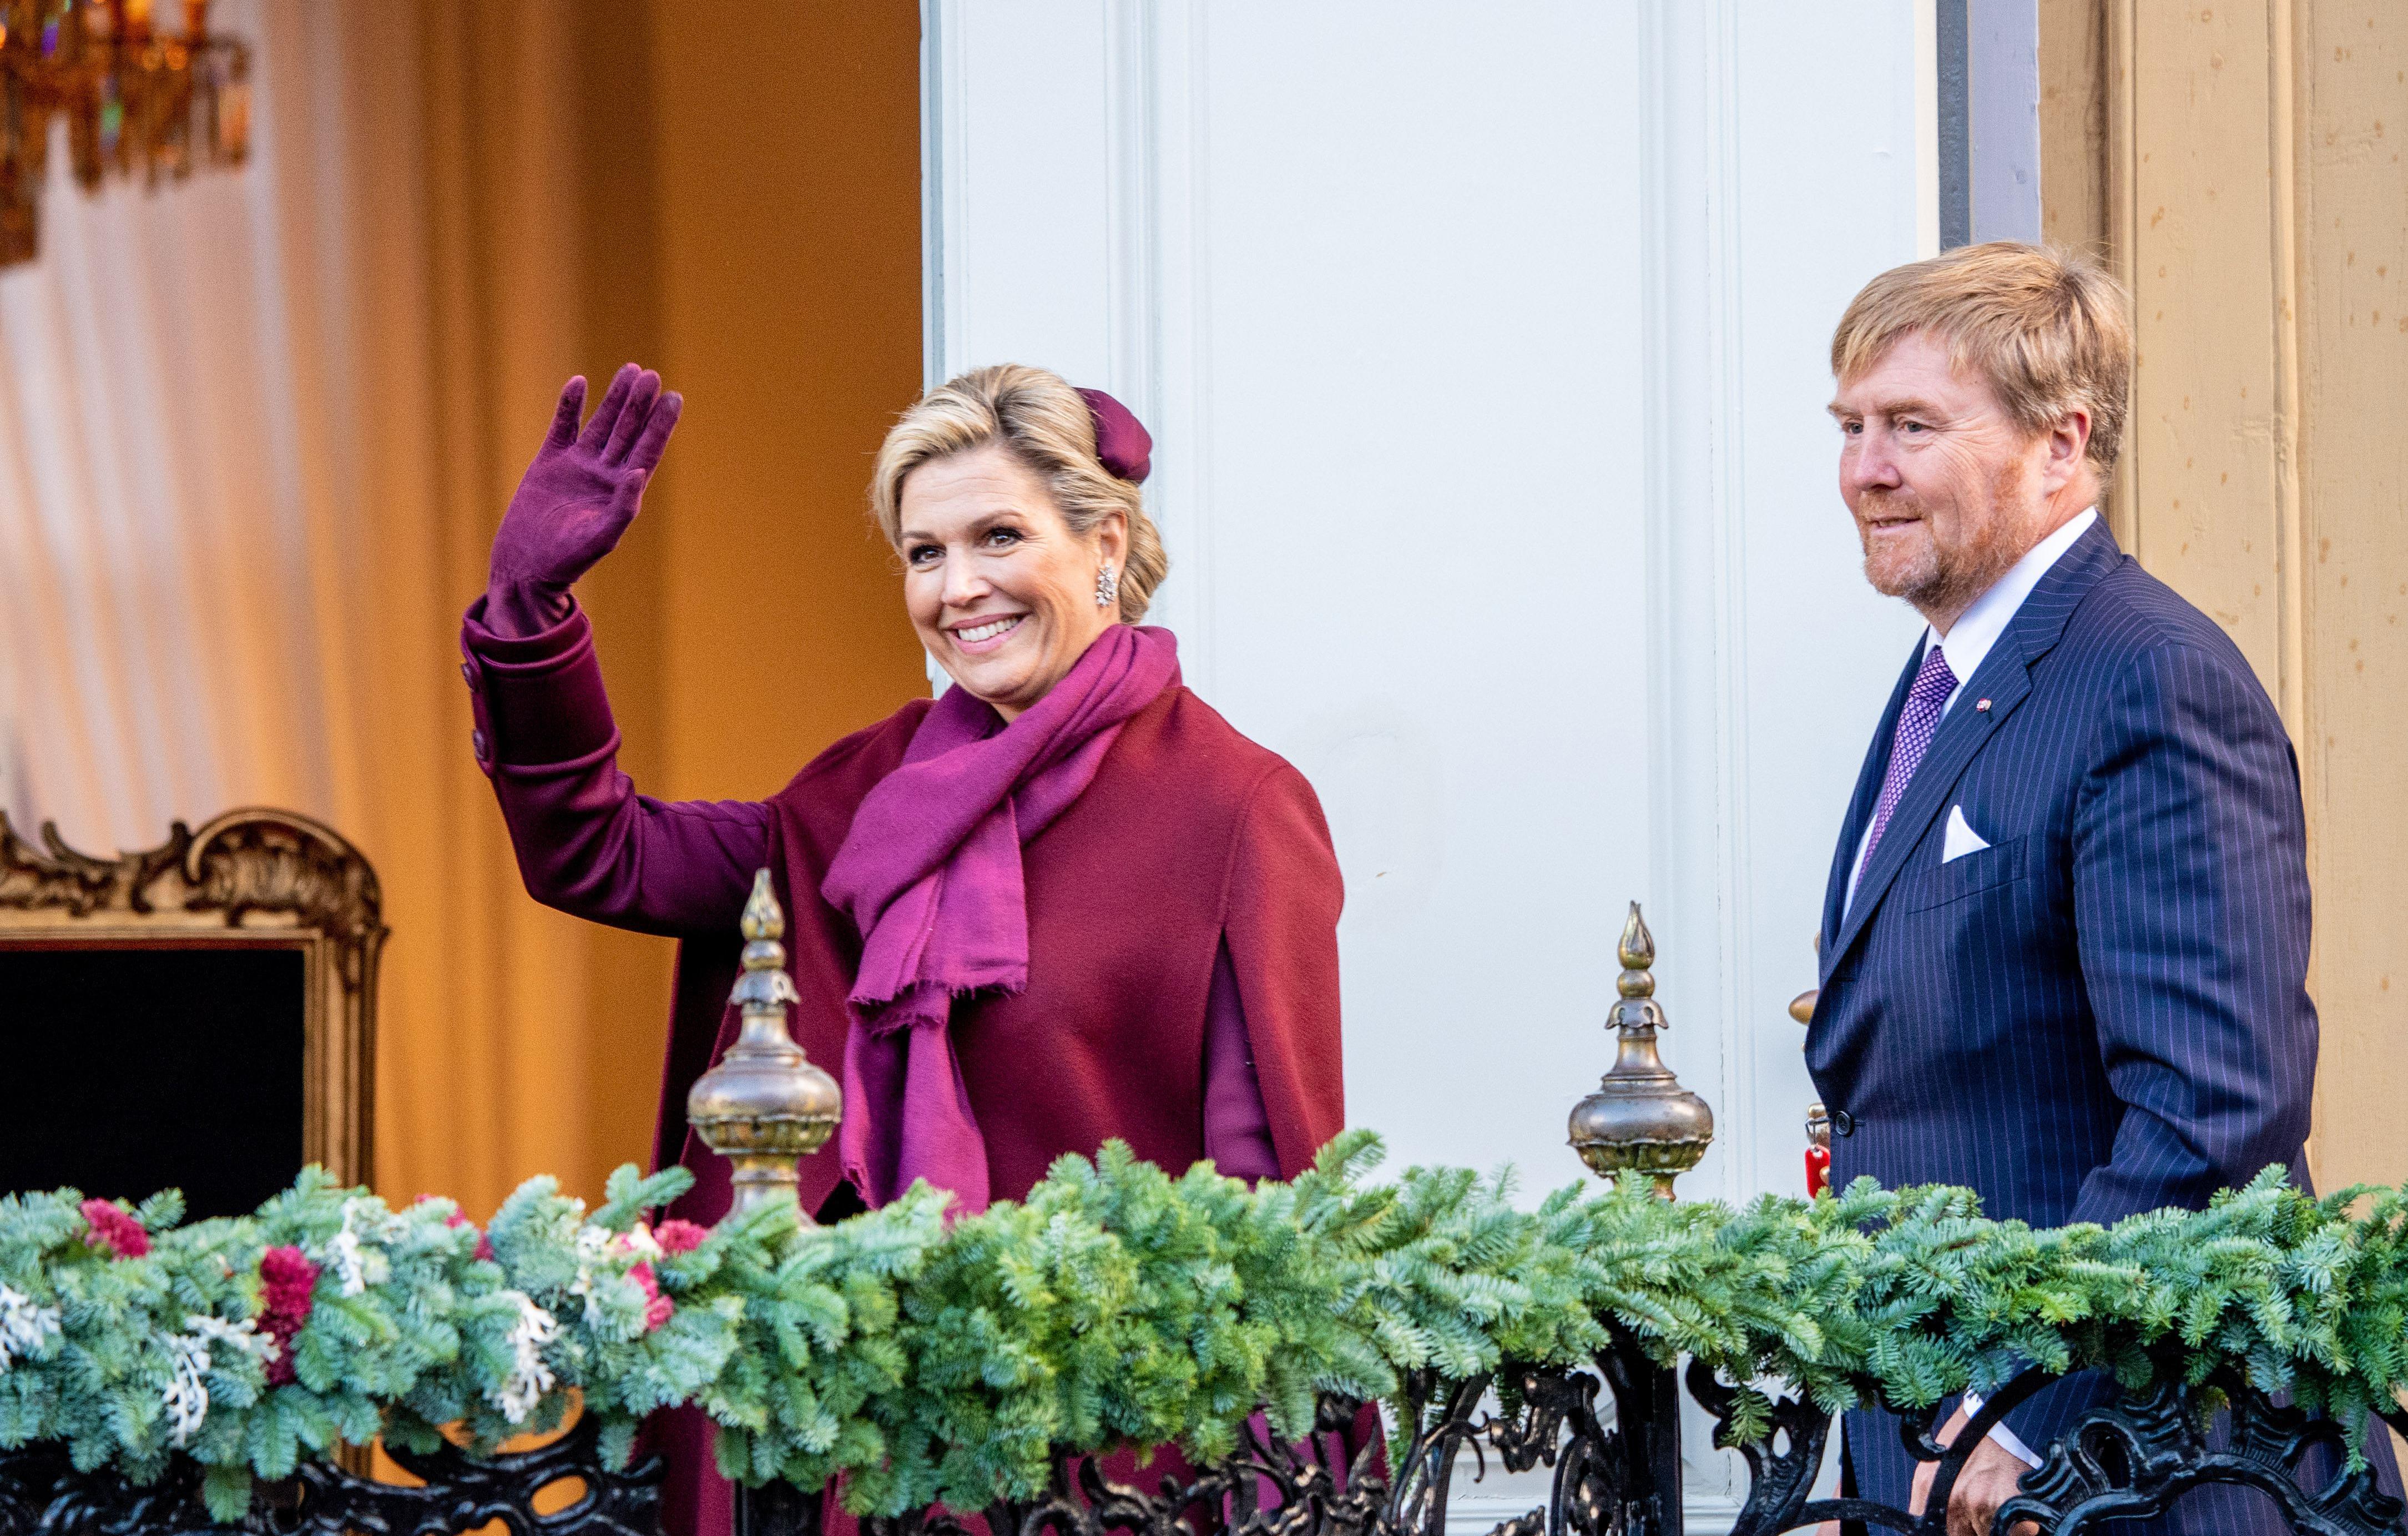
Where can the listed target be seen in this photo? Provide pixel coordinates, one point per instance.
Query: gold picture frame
(251, 878)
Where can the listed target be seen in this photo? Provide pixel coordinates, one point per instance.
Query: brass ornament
(764, 1107)
(1641, 1120)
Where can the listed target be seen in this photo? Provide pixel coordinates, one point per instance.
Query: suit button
(1842, 1123)
(477, 744)
(467, 674)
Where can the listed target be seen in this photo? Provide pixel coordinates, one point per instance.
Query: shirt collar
(1971, 638)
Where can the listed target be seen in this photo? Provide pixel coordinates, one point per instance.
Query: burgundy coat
(1196, 859)
(1190, 841)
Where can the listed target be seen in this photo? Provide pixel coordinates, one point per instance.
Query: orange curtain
(453, 206)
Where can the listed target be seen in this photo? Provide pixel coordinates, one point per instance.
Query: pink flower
(113, 1230)
(658, 1309)
(679, 1236)
(288, 1288)
(288, 1283)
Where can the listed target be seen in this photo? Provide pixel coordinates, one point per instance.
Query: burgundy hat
(1121, 441)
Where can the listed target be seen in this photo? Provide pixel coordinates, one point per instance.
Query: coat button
(1842, 1123)
(467, 674)
(477, 744)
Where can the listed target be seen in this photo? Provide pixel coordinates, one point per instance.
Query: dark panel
(1956, 124)
(132, 1070)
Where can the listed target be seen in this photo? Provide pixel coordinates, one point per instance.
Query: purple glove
(576, 499)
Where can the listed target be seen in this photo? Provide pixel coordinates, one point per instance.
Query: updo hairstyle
(1046, 425)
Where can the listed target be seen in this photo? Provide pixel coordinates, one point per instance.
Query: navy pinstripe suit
(2105, 1011)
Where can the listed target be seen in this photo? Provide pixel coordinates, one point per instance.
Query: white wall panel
(1485, 351)
(1822, 194)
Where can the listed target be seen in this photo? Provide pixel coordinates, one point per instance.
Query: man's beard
(1947, 579)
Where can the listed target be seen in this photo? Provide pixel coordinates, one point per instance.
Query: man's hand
(1989, 1479)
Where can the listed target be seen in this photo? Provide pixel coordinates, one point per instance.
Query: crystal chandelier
(135, 100)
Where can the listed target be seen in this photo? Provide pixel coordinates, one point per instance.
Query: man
(2065, 944)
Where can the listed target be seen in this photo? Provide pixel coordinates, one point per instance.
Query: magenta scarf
(930, 874)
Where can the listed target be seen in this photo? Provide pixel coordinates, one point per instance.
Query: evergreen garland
(1115, 1305)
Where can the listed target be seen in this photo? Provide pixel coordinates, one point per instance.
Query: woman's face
(1002, 591)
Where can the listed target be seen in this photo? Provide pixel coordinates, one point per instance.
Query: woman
(1062, 903)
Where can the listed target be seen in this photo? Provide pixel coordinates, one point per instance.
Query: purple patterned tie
(1916, 725)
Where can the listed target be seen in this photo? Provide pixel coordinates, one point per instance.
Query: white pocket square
(1961, 839)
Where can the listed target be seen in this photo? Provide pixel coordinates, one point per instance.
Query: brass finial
(1641, 1120)
(1637, 953)
(765, 1106)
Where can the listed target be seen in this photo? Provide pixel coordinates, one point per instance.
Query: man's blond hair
(2048, 330)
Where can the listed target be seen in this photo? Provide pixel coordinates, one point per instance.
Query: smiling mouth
(993, 629)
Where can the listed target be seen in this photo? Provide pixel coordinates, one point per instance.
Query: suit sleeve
(2191, 909)
(587, 843)
(1280, 929)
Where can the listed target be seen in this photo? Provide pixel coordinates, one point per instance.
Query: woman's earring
(1108, 587)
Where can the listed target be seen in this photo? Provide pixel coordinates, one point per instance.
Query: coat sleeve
(2190, 895)
(1280, 929)
(587, 843)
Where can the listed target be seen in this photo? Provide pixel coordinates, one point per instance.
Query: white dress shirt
(1969, 640)
(1967, 644)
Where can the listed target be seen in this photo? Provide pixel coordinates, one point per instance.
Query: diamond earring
(1108, 587)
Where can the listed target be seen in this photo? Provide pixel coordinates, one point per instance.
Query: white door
(1484, 350)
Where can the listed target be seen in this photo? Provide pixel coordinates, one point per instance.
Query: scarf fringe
(883, 1016)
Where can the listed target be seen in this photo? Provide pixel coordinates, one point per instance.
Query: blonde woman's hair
(1044, 423)
(2049, 330)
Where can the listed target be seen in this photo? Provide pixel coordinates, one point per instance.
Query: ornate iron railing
(1610, 1434)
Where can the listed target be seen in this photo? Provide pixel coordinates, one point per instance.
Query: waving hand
(577, 497)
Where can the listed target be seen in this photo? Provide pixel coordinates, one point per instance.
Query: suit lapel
(2004, 677)
(2055, 595)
